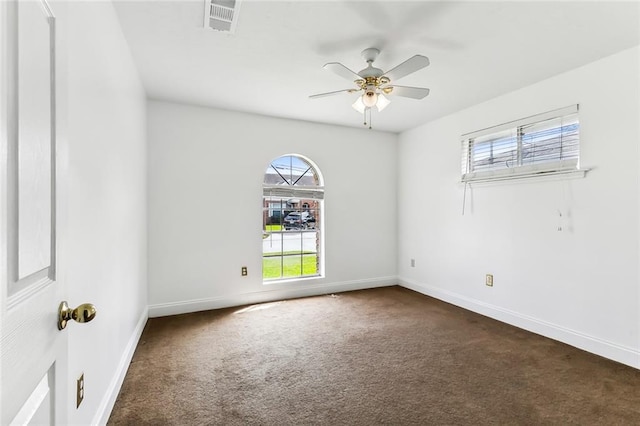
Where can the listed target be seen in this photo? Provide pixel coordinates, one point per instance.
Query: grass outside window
(289, 265)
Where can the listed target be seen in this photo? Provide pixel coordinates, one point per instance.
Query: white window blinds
(542, 143)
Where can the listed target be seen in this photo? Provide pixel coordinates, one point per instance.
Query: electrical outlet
(413, 263)
(489, 280)
(79, 390)
(244, 271)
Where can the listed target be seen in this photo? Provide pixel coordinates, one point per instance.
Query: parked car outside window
(299, 220)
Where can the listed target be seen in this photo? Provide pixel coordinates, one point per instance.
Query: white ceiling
(273, 62)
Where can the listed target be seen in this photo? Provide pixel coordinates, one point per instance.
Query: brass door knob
(83, 313)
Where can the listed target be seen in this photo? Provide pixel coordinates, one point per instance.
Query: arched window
(293, 196)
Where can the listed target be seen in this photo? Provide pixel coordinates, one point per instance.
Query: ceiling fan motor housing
(370, 71)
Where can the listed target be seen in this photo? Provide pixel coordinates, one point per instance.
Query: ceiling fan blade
(412, 64)
(406, 91)
(342, 71)
(322, 95)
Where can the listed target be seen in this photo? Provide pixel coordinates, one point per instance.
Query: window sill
(540, 175)
(292, 280)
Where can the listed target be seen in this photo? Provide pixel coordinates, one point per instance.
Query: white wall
(579, 285)
(103, 247)
(206, 169)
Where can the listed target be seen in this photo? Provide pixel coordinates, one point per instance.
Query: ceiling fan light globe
(369, 99)
(358, 105)
(383, 102)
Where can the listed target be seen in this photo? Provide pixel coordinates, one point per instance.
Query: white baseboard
(271, 293)
(613, 351)
(108, 401)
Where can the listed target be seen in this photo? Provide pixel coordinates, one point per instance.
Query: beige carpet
(384, 356)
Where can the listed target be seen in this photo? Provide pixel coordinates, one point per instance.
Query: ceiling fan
(375, 83)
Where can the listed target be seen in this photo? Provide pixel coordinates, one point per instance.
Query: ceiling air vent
(221, 15)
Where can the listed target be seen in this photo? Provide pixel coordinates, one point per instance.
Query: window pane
(550, 141)
(495, 151)
(291, 170)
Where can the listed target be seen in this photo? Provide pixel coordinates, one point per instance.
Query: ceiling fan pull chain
(369, 118)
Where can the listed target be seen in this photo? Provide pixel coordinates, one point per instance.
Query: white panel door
(33, 351)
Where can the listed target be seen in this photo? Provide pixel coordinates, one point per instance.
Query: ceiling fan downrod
(370, 54)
